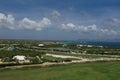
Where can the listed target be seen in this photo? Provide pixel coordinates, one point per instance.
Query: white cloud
(29, 24)
(72, 27)
(68, 26)
(87, 29)
(9, 22)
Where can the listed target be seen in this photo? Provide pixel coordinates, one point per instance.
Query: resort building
(21, 59)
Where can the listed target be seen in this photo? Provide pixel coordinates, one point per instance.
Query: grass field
(85, 71)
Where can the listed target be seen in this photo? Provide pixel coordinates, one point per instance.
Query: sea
(93, 43)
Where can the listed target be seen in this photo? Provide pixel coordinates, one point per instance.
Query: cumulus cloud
(68, 26)
(86, 29)
(29, 24)
(9, 22)
(73, 27)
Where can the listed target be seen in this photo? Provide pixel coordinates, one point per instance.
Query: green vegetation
(35, 54)
(10, 54)
(86, 71)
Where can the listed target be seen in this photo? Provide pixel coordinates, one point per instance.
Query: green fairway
(85, 71)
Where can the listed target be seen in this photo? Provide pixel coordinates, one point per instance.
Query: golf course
(79, 71)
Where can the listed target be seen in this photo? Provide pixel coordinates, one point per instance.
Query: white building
(79, 45)
(89, 45)
(21, 59)
(1, 61)
(41, 45)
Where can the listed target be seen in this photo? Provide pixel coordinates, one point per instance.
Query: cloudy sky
(60, 19)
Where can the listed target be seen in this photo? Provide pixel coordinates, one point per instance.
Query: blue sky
(60, 19)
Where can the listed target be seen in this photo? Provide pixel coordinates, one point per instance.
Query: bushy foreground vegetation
(86, 71)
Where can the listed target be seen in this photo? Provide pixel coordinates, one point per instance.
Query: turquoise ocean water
(104, 44)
